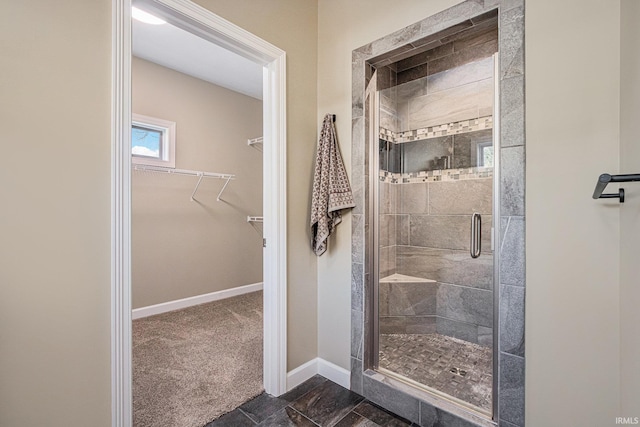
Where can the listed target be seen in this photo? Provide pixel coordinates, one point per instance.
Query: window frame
(168, 149)
(480, 147)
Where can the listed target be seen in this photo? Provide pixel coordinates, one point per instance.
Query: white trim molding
(198, 20)
(165, 307)
(121, 385)
(334, 373)
(275, 226)
(320, 366)
(302, 373)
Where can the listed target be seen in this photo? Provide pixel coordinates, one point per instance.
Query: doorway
(201, 22)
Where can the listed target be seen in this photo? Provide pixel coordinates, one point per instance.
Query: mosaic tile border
(436, 175)
(454, 128)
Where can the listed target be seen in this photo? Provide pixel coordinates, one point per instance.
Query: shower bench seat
(403, 278)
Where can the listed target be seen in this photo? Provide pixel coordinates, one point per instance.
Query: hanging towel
(331, 189)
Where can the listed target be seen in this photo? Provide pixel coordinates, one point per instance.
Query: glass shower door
(433, 221)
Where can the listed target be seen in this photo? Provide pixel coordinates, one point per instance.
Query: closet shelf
(255, 219)
(256, 143)
(200, 174)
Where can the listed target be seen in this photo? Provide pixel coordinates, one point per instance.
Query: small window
(485, 154)
(153, 141)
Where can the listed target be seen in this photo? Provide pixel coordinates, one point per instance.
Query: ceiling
(187, 53)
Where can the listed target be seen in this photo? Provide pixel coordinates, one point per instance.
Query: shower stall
(432, 223)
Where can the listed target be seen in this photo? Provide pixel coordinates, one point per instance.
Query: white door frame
(204, 23)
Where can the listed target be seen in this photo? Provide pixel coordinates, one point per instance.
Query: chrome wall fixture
(476, 232)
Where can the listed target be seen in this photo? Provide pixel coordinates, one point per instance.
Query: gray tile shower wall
(469, 305)
(388, 198)
(469, 73)
(465, 147)
(456, 329)
(451, 105)
(412, 198)
(388, 111)
(447, 84)
(408, 324)
(446, 266)
(460, 197)
(446, 231)
(430, 239)
(386, 77)
(465, 331)
(408, 298)
(439, 214)
(402, 230)
(450, 83)
(387, 230)
(418, 155)
(407, 307)
(462, 90)
(467, 47)
(453, 95)
(421, 151)
(387, 261)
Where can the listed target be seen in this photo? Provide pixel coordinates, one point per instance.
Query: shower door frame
(414, 404)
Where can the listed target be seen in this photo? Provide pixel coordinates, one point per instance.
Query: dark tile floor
(458, 368)
(316, 402)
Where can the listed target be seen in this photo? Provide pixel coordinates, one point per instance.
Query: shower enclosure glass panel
(434, 163)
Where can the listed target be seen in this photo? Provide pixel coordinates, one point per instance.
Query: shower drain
(458, 371)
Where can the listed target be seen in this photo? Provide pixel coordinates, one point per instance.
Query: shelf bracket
(200, 176)
(223, 188)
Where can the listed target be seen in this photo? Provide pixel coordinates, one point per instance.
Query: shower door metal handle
(476, 233)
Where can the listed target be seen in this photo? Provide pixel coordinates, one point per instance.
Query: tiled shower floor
(428, 359)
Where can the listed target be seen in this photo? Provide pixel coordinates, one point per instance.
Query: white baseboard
(191, 301)
(334, 373)
(320, 366)
(301, 374)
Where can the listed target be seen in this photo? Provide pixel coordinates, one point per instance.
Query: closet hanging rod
(605, 179)
(147, 168)
(200, 174)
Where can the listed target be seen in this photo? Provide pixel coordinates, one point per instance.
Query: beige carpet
(190, 366)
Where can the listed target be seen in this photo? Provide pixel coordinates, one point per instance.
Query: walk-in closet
(197, 244)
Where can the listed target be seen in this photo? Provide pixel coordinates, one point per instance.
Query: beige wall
(292, 26)
(55, 81)
(183, 248)
(572, 307)
(55, 219)
(629, 218)
(345, 25)
(55, 224)
(573, 241)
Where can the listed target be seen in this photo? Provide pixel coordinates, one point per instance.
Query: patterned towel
(331, 189)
